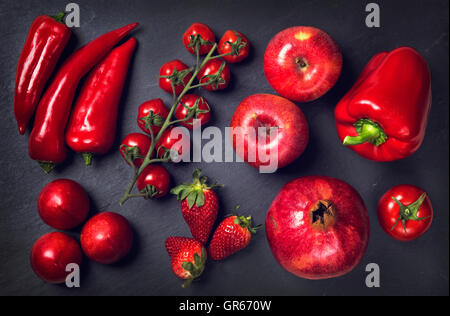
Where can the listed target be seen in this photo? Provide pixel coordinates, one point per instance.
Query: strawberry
(199, 205)
(232, 235)
(188, 257)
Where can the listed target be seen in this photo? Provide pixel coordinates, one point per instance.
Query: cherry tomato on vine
(178, 72)
(217, 73)
(197, 105)
(199, 34)
(405, 212)
(236, 42)
(159, 115)
(167, 141)
(134, 147)
(154, 181)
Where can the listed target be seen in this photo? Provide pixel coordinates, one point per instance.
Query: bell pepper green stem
(368, 131)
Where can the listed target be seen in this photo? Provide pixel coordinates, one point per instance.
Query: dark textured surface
(419, 267)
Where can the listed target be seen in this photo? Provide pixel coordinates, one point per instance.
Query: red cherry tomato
(405, 212)
(160, 113)
(215, 68)
(63, 204)
(198, 34)
(51, 254)
(231, 42)
(129, 144)
(166, 142)
(157, 177)
(201, 111)
(183, 75)
(106, 238)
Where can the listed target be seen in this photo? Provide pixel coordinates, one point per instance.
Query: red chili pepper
(384, 116)
(92, 125)
(47, 37)
(46, 143)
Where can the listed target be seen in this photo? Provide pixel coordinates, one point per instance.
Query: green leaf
(200, 199)
(191, 199)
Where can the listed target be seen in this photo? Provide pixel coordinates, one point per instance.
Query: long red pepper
(46, 144)
(92, 125)
(384, 116)
(46, 39)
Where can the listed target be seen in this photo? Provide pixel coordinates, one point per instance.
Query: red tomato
(51, 254)
(160, 113)
(231, 42)
(137, 146)
(219, 73)
(405, 212)
(106, 238)
(166, 142)
(63, 204)
(202, 111)
(199, 34)
(182, 76)
(157, 177)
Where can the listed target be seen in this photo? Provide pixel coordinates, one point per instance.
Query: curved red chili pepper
(46, 143)
(46, 40)
(384, 116)
(92, 125)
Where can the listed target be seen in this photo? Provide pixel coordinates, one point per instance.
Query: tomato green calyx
(87, 158)
(194, 192)
(409, 212)
(194, 269)
(245, 221)
(149, 192)
(152, 119)
(47, 166)
(194, 111)
(368, 131)
(195, 41)
(237, 46)
(323, 214)
(130, 153)
(59, 17)
(177, 77)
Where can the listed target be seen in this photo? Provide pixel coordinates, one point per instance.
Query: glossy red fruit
(405, 212)
(199, 205)
(217, 73)
(180, 73)
(318, 227)
(236, 43)
(135, 147)
(157, 118)
(63, 204)
(106, 238)
(199, 34)
(154, 181)
(275, 114)
(176, 141)
(302, 63)
(232, 235)
(52, 253)
(187, 256)
(198, 106)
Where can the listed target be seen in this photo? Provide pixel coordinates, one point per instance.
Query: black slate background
(416, 268)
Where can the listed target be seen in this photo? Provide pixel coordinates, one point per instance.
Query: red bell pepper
(46, 144)
(384, 116)
(92, 125)
(47, 37)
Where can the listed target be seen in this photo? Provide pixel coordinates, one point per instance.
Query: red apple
(51, 254)
(106, 238)
(272, 112)
(318, 227)
(63, 204)
(302, 63)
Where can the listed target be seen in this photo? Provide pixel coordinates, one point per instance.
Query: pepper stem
(87, 158)
(59, 17)
(47, 166)
(368, 131)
